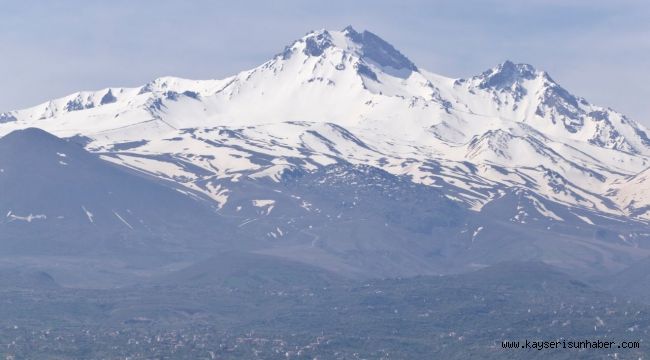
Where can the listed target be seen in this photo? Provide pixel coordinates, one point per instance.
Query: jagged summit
(368, 48)
(506, 74)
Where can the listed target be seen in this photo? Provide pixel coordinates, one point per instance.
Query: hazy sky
(596, 49)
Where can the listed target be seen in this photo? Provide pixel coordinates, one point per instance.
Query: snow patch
(28, 218)
(584, 218)
(543, 210)
(476, 232)
(88, 214)
(122, 220)
(268, 205)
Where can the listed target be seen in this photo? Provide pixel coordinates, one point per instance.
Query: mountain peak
(348, 28)
(316, 42)
(506, 74)
(365, 45)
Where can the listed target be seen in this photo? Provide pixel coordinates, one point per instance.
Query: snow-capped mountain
(509, 144)
(348, 95)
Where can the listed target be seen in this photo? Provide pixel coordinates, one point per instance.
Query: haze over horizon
(71, 46)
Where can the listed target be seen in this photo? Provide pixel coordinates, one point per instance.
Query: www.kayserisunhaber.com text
(569, 344)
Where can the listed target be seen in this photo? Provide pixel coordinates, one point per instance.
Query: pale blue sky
(597, 49)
